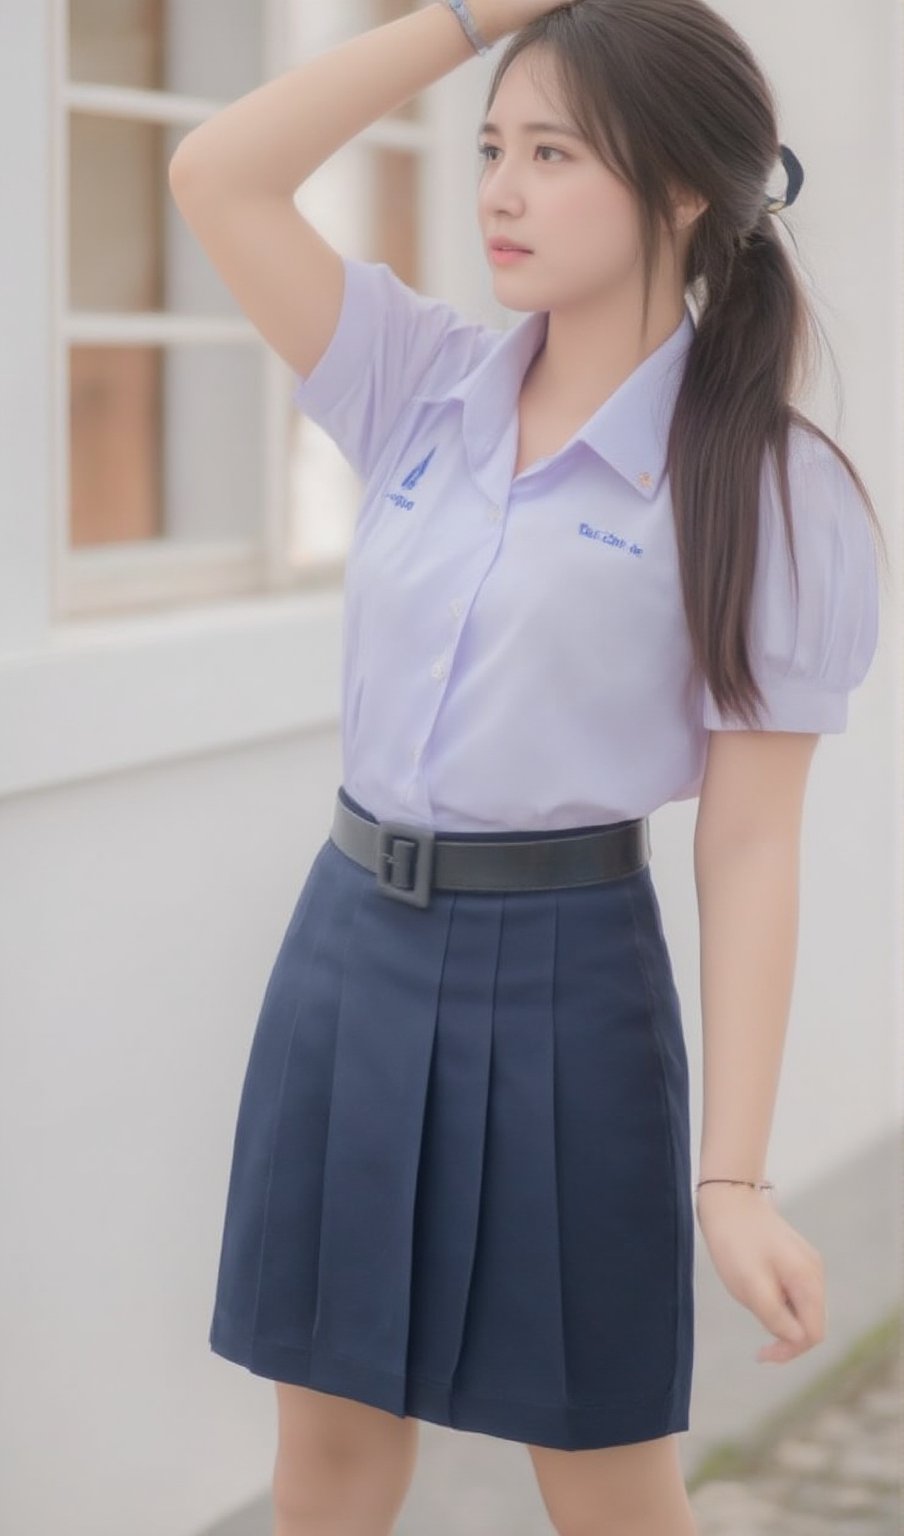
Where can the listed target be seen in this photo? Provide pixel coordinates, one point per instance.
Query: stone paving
(838, 1472)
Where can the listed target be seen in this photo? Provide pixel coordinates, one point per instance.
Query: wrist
(490, 19)
(752, 1186)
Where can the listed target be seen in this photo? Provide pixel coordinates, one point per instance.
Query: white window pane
(130, 250)
(207, 48)
(166, 443)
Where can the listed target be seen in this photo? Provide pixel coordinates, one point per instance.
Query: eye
(484, 150)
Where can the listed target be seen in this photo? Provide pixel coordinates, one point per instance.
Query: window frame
(86, 694)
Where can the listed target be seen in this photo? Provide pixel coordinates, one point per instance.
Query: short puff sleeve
(809, 651)
(390, 343)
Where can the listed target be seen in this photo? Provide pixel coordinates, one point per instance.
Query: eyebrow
(570, 133)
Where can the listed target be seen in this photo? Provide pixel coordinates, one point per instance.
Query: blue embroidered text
(606, 537)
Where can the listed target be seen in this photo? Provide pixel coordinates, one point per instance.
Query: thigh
(336, 1455)
(637, 1488)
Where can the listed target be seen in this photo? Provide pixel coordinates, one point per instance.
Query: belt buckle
(391, 861)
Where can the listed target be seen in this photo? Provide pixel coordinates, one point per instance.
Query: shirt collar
(630, 430)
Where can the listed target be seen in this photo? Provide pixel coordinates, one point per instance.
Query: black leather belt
(409, 860)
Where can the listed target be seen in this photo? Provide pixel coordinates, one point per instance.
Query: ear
(687, 207)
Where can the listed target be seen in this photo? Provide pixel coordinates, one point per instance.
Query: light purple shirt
(515, 650)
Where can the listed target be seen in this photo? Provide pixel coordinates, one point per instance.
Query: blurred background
(172, 541)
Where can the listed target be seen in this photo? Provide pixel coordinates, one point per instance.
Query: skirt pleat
(460, 1183)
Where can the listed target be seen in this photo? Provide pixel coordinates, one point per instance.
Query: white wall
(139, 916)
(141, 904)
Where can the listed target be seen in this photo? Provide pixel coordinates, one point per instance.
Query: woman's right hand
(497, 18)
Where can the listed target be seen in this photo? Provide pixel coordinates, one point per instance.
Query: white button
(494, 514)
(438, 669)
(415, 754)
(456, 606)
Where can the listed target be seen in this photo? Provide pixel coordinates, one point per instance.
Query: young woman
(461, 1184)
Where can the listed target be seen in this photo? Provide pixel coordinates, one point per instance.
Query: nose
(502, 195)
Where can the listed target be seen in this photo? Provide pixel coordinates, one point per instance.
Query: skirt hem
(559, 1426)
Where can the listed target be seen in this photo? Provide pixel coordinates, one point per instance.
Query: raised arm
(234, 177)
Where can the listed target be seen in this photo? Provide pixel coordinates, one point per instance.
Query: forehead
(529, 96)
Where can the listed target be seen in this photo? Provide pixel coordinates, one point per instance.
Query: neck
(591, 347)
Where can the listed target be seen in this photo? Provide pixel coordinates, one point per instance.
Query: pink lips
(506, 254)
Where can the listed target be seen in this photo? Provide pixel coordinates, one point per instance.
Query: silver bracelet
(468, 23)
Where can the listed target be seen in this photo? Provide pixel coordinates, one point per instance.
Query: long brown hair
(669, 95)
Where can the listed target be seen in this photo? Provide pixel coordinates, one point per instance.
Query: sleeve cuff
(329, 380)
(793, 704)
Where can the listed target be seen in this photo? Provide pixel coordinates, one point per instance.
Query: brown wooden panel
(115, 437)
(396, 236)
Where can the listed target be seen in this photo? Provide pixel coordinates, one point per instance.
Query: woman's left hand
(766, 1265)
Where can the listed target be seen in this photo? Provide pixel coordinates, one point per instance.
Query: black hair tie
(795, 173)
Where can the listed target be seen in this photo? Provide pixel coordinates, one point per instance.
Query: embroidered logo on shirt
(606, 537)
(409, 483)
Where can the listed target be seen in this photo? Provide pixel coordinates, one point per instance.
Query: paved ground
(839, 1472)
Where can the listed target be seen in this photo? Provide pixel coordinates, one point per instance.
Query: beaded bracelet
(761, 1184)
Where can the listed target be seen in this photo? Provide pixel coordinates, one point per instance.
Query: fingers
(792, 1306)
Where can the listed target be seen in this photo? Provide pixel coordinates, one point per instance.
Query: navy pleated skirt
(460, 1185)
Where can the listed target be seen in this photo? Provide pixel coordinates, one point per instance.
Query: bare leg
(341, 1466)
(618, 1490)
